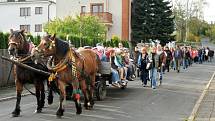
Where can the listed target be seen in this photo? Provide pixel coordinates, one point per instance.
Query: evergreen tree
(152, 19)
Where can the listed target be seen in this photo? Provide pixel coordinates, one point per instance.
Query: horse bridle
(50, 46)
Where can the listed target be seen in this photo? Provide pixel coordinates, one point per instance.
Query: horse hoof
(15, 113)
(59, 117)
(79, 110)
(59, 113)
(38, 111)
(50, 100)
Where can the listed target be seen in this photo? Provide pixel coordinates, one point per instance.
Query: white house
(115, 14)
(28, 14)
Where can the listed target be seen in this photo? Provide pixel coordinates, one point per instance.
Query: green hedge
(75, 40)
(4, 40)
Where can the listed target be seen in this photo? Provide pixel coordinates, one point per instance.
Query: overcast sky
(209, 11)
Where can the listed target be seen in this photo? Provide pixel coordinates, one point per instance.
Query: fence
(5, 67)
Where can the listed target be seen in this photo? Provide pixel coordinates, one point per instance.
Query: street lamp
(50, 3)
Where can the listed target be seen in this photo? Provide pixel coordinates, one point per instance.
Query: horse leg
(60, 110)
(76, 96)
(38, 96)
(42, 92)
(19, 89)
(85, 93)
(92, 87)
(77, 103)
(50, 94)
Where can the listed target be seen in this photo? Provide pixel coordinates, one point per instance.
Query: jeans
(153, 77)
(200, 58)
(114, 76)
(185, 63)
(160, 73)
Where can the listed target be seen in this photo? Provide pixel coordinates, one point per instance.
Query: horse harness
(69, 61)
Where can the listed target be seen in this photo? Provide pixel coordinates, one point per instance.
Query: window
(25, 11)
(83, 9)
(95, 8)
(26, 27)
(10, 0)
(38, 10)
(38, 27)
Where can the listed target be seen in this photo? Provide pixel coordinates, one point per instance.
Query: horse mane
(17, 33)
(62, 47)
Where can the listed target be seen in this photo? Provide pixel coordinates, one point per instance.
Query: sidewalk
(10, 92)
(205, 109)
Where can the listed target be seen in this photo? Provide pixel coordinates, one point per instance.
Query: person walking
(143, 60)
(154, 59)
(168, 57)
(178, 55)
(162, 61)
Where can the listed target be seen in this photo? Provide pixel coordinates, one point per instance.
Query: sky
(209, 11)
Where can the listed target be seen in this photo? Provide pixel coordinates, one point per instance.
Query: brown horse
(78, 70)
(19, 48)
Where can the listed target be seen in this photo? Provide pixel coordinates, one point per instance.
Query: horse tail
(29, 90)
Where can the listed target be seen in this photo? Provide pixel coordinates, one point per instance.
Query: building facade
(115, 14)
(30, 15)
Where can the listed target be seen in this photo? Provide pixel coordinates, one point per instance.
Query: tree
(152, 19)
(189, 19)
(83, 27)
(139, 18)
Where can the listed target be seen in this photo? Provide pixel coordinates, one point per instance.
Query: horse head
(52, 46)
(16, 42)
(47, 46)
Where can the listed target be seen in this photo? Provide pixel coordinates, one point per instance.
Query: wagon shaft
(26, 66)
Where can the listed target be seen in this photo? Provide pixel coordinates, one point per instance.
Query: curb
(197, 105)
(13, 97)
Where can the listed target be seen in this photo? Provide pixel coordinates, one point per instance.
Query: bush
(4, 40)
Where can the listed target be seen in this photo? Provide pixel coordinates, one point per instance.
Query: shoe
(153, 87)
(124, 82)
(130, 79)
(116, 85)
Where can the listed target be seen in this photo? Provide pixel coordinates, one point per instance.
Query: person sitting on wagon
(121, 66)
(114, 70)
(129, 65)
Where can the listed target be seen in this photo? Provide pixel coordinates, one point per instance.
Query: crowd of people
(153, 62)
(150, 63)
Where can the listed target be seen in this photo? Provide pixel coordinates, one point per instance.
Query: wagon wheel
(101, 90)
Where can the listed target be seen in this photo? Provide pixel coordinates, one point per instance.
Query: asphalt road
(173, 101)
